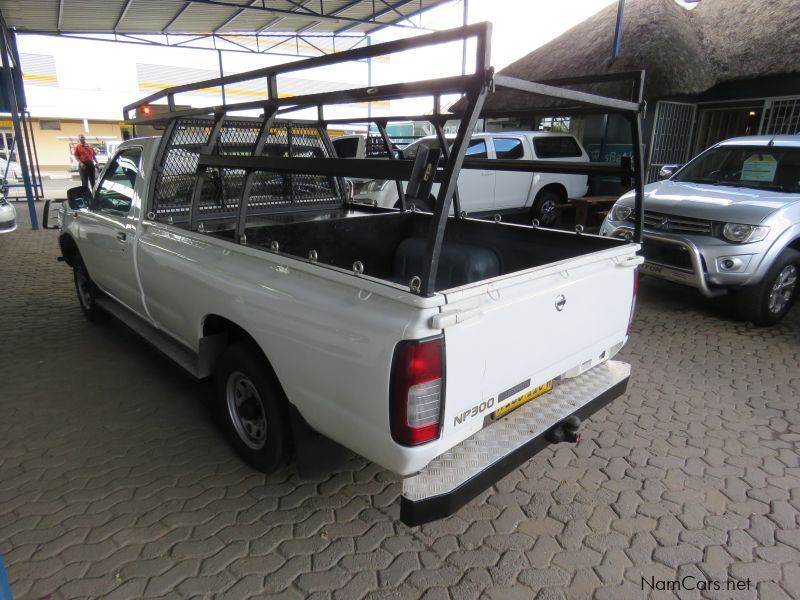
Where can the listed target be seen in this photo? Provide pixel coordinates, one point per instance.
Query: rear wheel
(545, 207)
(87, 291)
(252, 407)
(767, 302)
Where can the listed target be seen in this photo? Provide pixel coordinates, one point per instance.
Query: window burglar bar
(210, 140)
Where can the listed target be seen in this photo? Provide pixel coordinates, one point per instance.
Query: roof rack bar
(366, 94)
(378, 168)
(547, 166)
(479, 30)
(388, 118)
(366, 168)
(600, 78)
(541, 89)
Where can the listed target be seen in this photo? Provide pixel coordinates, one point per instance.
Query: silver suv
(726, 222)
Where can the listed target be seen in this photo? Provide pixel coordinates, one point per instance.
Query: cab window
(477, 149)
(508, 148)
(115, 191)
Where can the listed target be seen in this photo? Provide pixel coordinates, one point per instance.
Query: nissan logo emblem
(561, 302)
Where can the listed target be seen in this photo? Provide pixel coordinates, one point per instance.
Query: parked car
(8, 217)
(727, 222)
(488, 192)
(10, 171)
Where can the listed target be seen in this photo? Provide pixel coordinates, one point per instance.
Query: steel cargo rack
(278, 166)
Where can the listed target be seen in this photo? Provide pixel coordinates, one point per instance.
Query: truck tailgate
(511, 335)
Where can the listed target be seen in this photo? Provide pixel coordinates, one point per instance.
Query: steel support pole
(369, 81)
(7, 50)
(221, 75)
(638, 170)
(464, 43)
(618, 30)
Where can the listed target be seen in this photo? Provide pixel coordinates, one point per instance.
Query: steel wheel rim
(783, 289)
(547, 212)
(84, 294)
(246, 410)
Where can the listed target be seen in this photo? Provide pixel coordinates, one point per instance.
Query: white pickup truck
(487, 191)
(231, 245)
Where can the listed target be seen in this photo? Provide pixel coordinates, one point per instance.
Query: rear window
(556, 147)
(346, 147)
(508, 148)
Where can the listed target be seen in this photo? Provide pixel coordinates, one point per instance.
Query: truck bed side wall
(330, 344)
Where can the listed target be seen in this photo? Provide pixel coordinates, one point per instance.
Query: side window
(556, 147)
(477, 149)
(115, 192)
(508, 148)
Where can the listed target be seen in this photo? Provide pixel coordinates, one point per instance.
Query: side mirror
(79, 197)
(668, 171)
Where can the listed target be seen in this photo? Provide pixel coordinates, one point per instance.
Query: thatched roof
(682, 51)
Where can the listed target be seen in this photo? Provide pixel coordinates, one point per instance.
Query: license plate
(526, 397)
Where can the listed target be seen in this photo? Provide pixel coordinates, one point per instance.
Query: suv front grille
(674, 224)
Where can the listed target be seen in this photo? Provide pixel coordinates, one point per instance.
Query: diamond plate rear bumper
(457, 476)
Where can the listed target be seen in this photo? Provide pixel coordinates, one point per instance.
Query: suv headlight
(620, 212)
(743, 234)
(376, 185)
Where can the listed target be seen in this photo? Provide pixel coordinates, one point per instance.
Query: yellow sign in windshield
(759, 167)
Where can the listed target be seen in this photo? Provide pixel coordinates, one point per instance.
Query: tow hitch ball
(566, 431)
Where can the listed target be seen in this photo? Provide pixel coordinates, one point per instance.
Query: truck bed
(391, 245)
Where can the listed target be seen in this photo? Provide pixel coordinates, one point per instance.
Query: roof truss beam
(122, 13)
(390, 8)
(295, 12)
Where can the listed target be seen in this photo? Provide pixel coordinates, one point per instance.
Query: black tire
(544, 207)
(86, 290)
(767, 302)
(252, 407)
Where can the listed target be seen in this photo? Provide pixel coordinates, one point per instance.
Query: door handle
(121, 236)
(486, 173)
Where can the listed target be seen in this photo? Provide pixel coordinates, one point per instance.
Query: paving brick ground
(115, 483)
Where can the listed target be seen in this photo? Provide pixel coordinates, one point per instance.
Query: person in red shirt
(84, 154)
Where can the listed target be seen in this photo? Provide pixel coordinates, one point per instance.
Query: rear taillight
(417, 388)
(633, 301)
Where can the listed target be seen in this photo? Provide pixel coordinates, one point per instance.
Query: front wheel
(87, 291)
(252, 407)
(545, 207)
(767, 302)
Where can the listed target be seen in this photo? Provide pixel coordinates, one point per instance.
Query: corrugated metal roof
(206, 16)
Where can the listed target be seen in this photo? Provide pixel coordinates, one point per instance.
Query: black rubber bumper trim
(414, 513)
